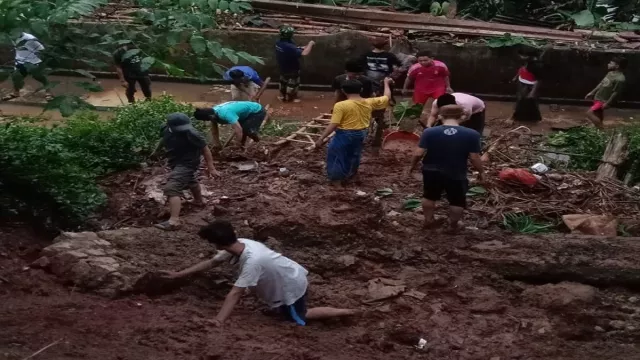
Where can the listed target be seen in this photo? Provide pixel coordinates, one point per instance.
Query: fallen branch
(41, 350)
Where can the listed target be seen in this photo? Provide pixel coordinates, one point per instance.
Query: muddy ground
(482, 294)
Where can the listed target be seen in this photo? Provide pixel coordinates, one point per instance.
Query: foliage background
(50, 174)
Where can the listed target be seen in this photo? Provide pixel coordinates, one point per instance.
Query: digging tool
(256, 98)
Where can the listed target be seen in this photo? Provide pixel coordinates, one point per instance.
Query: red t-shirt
(429, 79)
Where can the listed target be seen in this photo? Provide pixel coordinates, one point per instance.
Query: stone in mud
(486, 300)
(307, 179)
(617, 324)
(90, 262)
(560, 295)
(381, 289)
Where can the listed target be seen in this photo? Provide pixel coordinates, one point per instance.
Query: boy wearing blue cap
(184, 145)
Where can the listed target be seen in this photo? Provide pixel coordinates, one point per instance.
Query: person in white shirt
(277, 280)
(28, 62)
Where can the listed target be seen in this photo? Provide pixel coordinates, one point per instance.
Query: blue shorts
(296, 312)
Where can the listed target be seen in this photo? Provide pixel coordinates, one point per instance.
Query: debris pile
(551, 194)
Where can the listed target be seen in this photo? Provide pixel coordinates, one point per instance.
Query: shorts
(289, 85)
(597, 106)
(422, 98)
(181, 178)
(435, 182)
(251, 124)
(296, 312)
(475, 122)
(244, 92)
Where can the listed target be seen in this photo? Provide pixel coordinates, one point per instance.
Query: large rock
(560, 295)
(89, 262)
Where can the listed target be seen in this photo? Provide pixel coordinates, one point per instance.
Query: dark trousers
(22, 71)
(145, 86)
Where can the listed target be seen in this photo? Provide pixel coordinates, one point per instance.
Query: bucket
(399, 140)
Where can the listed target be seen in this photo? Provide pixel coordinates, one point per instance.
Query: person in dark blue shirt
(445, 151)
(288, 57)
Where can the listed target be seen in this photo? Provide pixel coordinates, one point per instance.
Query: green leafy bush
(50, 174)
(589, 143)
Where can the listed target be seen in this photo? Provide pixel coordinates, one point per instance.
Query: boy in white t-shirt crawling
(277, 280)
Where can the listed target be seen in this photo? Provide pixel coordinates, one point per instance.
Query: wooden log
(614, 155)
(593, 260)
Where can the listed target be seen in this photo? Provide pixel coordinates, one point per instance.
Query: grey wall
(475, 68)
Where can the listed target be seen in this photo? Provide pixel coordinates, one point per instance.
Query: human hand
(481, 178)
(531, 95)
(405, 92)
(213, 173)
(311, 43)
(588, 96)
(407, 173)
(605, 105)
(124, 84)
(215, 322)
(449, 90)
(388, 81)
(318, 144)
(171, 275)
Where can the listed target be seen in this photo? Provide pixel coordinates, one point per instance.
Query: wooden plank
(301, 141)
(445, 29)
(309, 134)
(374, 17)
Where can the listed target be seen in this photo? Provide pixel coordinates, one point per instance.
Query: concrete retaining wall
(475, 68)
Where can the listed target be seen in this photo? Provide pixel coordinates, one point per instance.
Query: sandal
(167, 226)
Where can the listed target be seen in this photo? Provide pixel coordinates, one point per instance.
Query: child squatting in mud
(278, 281)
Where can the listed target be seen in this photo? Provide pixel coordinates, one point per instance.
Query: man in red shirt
(431, 78)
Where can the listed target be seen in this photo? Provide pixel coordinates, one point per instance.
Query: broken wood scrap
(614, 155)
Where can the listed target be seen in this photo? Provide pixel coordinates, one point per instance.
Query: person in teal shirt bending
(245, 117)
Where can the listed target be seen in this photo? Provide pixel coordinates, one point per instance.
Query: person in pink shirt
(474, 109)
(430, 78)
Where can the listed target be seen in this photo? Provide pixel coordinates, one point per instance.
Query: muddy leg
(329, 312)
(428, 208)
(455, 214)
(196, 191)
(175, 203)
(596, 118)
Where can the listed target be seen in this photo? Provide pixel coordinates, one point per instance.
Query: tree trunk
(594, 260)
(614, 155)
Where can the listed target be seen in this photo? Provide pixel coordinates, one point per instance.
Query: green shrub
(590, 143)
(50, 174)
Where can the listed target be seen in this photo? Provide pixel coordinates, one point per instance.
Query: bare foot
(453, 228)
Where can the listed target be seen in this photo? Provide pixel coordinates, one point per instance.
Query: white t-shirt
(277, 279)
(27, 49)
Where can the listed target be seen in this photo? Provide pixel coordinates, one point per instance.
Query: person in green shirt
(607, 91)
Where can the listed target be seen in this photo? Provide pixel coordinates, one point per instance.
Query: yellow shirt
(356, 114)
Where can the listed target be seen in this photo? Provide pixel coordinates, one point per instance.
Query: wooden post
(615, 154)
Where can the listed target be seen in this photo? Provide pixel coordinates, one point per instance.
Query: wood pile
(422, 22)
